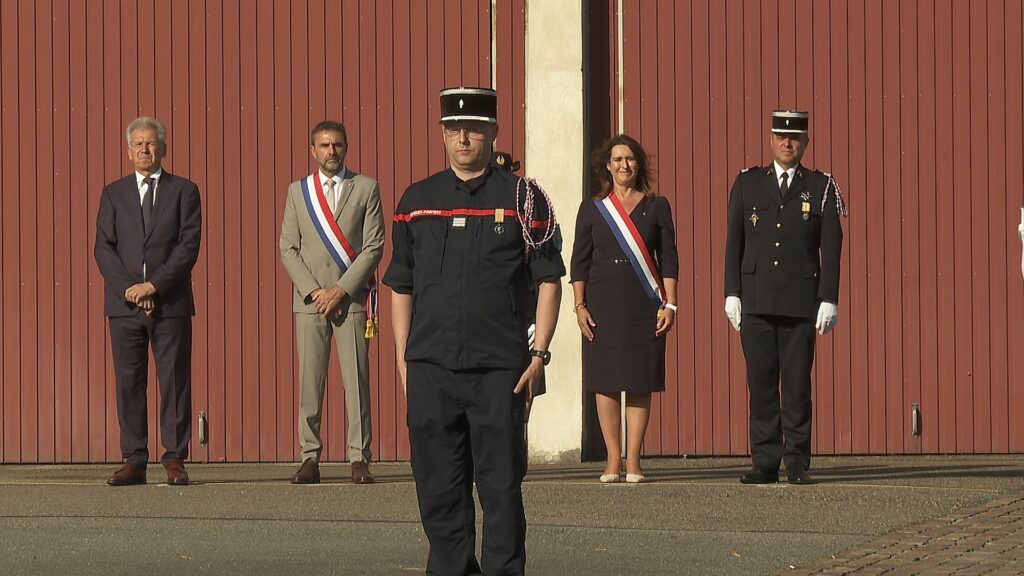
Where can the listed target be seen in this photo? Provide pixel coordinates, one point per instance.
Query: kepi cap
(480, 104)
(790, 121)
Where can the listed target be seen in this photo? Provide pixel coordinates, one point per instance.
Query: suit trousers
(463, 426)
(313, 335)
(171, 339)
(777, 346)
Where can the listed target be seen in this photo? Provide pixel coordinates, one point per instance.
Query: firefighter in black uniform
(461, 276)
(781, 284)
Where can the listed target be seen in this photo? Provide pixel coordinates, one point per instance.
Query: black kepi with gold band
(479, 104)
(790, 121)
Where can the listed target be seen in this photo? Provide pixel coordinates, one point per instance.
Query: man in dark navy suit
(148, 231)
(782, 283)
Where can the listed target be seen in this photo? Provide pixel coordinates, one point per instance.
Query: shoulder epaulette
(745, 170)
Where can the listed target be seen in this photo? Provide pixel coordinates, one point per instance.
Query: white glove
(828, 313)
(733, 310)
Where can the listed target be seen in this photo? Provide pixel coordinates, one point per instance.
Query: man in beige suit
(332, 238)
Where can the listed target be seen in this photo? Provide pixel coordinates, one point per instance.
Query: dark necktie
(147, 205)
(784, 187)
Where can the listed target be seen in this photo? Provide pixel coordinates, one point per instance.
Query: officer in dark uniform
(461, 277)
(782, 283)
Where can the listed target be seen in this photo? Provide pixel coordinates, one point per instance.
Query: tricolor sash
(335, 242)
(633, 245)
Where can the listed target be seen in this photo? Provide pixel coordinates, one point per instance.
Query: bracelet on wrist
(579, 306)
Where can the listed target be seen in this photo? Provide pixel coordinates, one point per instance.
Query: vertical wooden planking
(28, 209)
(198, 162)
(928, 230)
(80, 250)
(861, 188)
(702, 240)
(232, 198)
(291, 144)
(838, 103)
(947, 370)
(9, 202)
(248, 209)
(671, 165)
(268, 147)
(909, 129)
(51, 187)
(785, 36)
(686, 332)
(64, 375)
(962, 209)
(996, 410)
(874, 178)
(979, 343)
(213, 236)
(719, 62)
(1014, 70)
(632, 73)
(891, 220)
(99, 338)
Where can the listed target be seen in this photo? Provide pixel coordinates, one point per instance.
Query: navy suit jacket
(169, 251)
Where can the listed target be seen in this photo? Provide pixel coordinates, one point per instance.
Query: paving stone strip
(988, 539)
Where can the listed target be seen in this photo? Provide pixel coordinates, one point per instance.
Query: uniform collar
(472, 185)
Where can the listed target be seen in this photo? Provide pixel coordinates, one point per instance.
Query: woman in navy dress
(624, 329)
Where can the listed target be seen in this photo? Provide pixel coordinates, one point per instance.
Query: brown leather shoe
(176, 475)
(361, 473)
(309, 473)
(128, 475)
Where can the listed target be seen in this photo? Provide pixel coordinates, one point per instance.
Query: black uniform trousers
(171, 338)
(777, 346)
(463, 426)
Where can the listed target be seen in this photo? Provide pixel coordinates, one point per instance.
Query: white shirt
(778, 174)
(142, 187)
(337, 178)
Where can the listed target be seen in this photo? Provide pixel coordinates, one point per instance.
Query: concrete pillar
(554, 157)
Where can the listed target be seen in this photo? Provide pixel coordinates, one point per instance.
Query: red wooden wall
(916, 107)
(239, 83)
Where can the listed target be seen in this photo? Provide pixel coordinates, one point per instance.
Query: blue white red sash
(334, 240)
(633, 245)
(326, 226)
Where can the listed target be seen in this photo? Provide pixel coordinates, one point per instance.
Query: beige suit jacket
(307, 261)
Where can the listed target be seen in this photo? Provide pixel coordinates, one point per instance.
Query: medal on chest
(499, 221)
(754, 217)
(805, 205)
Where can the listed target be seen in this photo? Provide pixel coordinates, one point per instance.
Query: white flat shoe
(635, 478)
(609, 478)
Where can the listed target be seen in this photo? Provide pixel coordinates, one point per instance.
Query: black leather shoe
(760, 476)
(798, 475)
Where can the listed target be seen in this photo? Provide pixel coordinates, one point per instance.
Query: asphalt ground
(692, 517)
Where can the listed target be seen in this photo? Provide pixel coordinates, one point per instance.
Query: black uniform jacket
(777, 260)
(466, 269)
(169, 251)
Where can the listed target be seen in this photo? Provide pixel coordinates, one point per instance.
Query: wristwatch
(542, 354)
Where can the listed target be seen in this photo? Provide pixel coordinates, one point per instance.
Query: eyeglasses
(472, 132)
